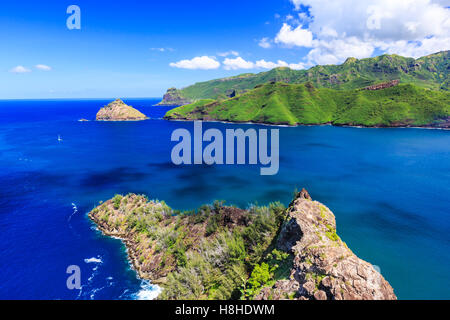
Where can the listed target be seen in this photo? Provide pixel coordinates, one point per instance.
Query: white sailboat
(59, 138)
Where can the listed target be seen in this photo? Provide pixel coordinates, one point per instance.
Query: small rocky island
(119, 111)
(223, 252)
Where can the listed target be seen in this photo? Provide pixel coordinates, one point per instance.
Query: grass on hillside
(281, 103)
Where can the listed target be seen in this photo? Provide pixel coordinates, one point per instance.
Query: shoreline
(305, 232)
(428, 127)
(131, 255)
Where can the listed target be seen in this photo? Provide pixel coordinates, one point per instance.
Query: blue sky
(134, 48)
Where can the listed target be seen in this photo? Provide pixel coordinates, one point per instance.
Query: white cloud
(337, 50)
(342, 28)
(237, 63)
(265, 43)
(268, 64)
(202, 63)
(294, 37)
(162, 49)
(228, 53)
(43, 67)
(19, 69)
(280, 63)
(297, 66)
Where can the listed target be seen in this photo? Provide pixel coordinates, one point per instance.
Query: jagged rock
(119, 111)
(384, 85)
(173, 97)
(321, 266)
(324, 267)
(231, 93)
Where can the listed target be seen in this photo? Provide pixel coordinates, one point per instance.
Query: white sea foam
(148, 291)
(74, 211)
(93, 260)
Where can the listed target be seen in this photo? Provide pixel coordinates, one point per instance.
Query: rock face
(384, 85)
(173, 97)
(119, 111)
(324, 267)
(192, 255)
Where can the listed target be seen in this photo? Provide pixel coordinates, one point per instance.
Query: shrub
(261, 274)
(116, 201)
(213, 224)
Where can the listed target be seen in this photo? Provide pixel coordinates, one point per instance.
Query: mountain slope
(429, 72)
(292, 104)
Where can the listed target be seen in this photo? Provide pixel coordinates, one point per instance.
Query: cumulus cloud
(228, 53)
(237, 63)
(294, 36)
(265, 43)
(43, 67)
(280, 63)
(201, 63)
(342, 28)
(20, 69)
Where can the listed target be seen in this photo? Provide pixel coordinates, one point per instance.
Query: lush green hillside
(429, 72)
(281, 103)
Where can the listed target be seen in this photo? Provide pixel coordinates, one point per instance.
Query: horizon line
(88, 98)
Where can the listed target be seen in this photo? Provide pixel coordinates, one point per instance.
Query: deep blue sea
(389, 190)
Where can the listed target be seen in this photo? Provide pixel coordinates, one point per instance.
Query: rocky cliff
(222, 252)
(119, 111)
(174, 97)
(383, 85)
(324, 268)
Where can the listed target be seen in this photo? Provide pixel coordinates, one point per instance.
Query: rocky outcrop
(119, 111)
(173, 97)
(166, 246)
(324, 268)
(383, 85)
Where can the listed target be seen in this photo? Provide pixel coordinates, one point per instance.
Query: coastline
(129, 244)
(305, 232)
(428, 127)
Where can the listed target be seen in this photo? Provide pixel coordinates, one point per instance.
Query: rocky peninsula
(119, 111)
(223, 252)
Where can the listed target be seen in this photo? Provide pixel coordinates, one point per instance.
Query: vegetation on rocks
(119, 111)
(208, 253)
(223, 252)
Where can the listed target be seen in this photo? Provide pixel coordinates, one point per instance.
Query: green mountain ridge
(431, 72)
(293, 104)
